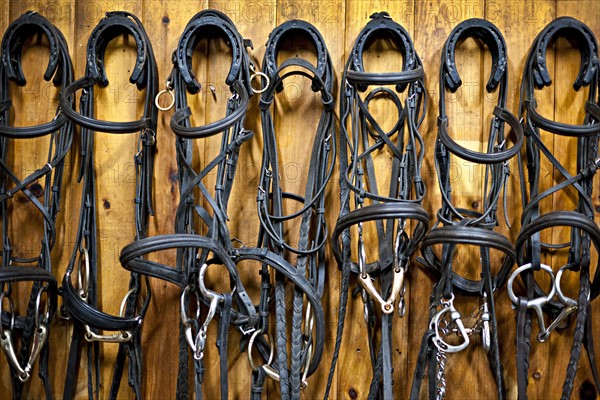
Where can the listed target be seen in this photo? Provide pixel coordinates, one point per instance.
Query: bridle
(200, 245)
(584, 231)
(33, 328)
(81, 298)
(362, 137)
(459, 227)
(306, 349)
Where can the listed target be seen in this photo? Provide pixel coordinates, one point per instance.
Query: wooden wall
(429, 23)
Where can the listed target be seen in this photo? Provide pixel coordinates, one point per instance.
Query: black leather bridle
(584, 231)
(306, 349)
(81, 297)
(201, 235)
(33, 328)
(459, 227)
(361, 199)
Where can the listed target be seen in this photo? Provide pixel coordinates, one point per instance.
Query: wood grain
(339, 21)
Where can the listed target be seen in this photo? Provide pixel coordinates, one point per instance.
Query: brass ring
(169, 91)
(262, 75)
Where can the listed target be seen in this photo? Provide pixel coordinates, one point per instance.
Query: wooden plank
(519, 22)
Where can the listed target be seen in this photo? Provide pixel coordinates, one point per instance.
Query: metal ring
(204, 291)
(169, 91)
(80, 281)
(38, 300)
(262, 75)
(187, 291)
(124, 302)
(513, 296)
(559, 293)
(249, 351)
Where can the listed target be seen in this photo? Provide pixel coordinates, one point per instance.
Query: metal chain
(440, 375)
